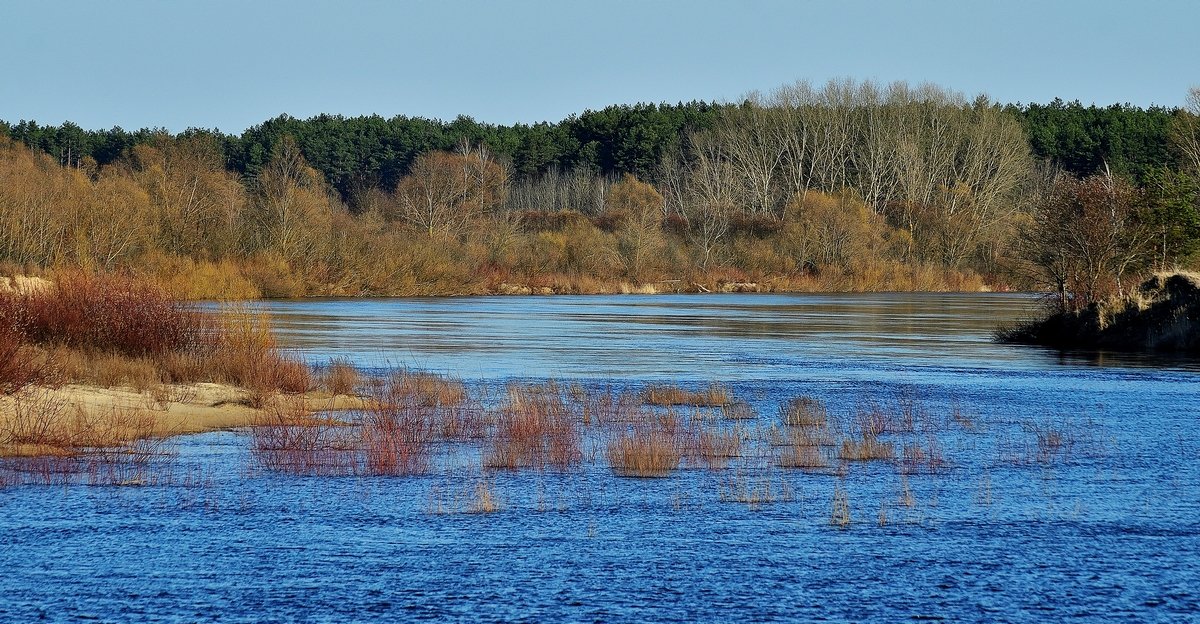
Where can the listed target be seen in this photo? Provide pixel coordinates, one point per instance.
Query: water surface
(1105, 531)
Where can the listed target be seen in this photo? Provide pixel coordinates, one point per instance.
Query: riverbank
(1163, 314)
(60, 421)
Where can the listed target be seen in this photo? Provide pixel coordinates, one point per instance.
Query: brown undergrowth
(116, 330)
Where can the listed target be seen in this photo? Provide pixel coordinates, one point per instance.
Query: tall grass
(535, 428)
(645, 450)
(804, 411)
(340, 377)
(715, 395)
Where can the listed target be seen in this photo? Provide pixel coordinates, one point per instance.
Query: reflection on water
(726, 337)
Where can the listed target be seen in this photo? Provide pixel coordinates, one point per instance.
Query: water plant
(715, 395)
(648, 450)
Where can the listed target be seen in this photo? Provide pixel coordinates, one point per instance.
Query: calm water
(1107, 529)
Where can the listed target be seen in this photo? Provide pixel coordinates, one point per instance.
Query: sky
(176, 64)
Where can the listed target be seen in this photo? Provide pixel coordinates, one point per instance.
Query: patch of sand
(173, 409)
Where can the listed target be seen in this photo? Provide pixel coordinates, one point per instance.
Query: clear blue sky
(230, 65)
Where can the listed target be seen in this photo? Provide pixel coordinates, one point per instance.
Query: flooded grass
(715, 395)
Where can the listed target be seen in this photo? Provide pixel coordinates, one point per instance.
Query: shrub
(645, 451)
(535, 428)
(111, 312)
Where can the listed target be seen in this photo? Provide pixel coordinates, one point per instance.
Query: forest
(843, 186)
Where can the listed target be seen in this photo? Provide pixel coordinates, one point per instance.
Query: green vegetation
(846, 186)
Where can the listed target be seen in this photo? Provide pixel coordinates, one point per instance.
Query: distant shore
(1162, 315)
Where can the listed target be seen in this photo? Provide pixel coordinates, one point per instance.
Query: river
(1099, 524)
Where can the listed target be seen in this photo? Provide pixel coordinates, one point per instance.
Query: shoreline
(167, 411)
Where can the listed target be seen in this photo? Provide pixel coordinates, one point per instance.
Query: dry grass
(426, 389)
(839, 514)
(109, 370)
(535, 428)
(739, 410)
(714, 395)
(754, 491)
(805, 456)
(340, 377)
(644, 451)
(243, 351)
(485, 500)
(804, 411)
(713, 448)
(867, 448)
(927, 458)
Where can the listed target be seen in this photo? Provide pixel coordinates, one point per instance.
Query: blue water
(1105, 530)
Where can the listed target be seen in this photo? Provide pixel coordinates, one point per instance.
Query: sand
(173, 409)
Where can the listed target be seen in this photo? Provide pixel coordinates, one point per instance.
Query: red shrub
(116, 313)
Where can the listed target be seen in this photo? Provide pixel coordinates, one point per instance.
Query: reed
(927, 458)
(426, 389)
(754, 491)
(906, 495)
(712, 448)
(535, 428)
(340, 377)
(485, 500)
(739, 410)
(804, 411)
(867, 448)
(715, 395)
(804, 456)
(1052, 442)
(839, 515)
(646, 451)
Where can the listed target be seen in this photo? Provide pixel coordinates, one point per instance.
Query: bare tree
(444, 192)
(704, 192)
(755, 151)
(639, 235)
(1185, 131)
(292, 215)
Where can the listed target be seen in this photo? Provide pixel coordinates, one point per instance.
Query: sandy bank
(162, 412)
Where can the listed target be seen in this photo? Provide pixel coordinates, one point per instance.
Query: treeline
(844, 186)
(358, 153)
